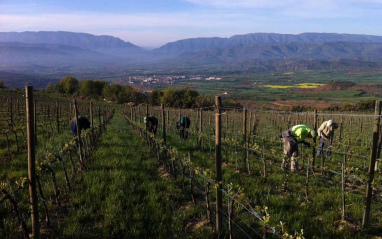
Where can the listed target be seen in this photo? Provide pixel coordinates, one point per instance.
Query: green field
(251, 87)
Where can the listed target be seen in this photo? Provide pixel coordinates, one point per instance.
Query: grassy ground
(126, 194)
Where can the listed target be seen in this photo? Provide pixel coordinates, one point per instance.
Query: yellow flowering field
(301, 85)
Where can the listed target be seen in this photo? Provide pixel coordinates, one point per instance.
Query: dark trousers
(321, 148)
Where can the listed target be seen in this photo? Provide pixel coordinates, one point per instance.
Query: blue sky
(152, 23)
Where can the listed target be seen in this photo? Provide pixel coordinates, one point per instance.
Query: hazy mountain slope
(331, 51)
(50, 55)
(82, 40)
(198, 44)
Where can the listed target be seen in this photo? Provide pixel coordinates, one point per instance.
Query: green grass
(320, 216)
(123, 195)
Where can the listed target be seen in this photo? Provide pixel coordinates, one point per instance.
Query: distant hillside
(81, 40)
(18, 80)
(55, 54)
(198, 44)
(50, 55)
(332, 51)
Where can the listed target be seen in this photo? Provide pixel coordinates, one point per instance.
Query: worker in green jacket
(291, 139)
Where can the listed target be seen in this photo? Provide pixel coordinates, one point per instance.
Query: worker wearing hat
(326, 132)
(291, 139)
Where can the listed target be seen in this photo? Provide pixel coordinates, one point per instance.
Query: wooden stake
(164, 124)
(78, 134)
(314, 139)
(219, 202)
(30, 111)
(201, 130)
(373, 157)
(244, 139)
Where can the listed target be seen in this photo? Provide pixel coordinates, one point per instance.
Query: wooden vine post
(373, 157)
(201, 130)
(11, 112)
(219, 202)
(30, 111)
(379, 148)
(58, 117)
(164, 124)
(91, 114)
(343, 193)
(35, 121)
(99, 116)
(314, 138)
(139, 114)
(245, 139)
(78, 134)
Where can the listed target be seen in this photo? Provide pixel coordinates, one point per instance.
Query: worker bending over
(291, 139)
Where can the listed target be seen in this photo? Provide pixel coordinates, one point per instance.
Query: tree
(2, 86)
(68, 85)
(155, 97)
(91, 89)
(204, 101)
(180, 98)
(50, 87)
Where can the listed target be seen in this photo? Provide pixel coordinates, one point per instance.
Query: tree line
(121, 94)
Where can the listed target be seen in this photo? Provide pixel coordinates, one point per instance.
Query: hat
(313, 133)
(329, 123)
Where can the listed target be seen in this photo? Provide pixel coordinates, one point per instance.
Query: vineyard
(247, 195)
(324, 199)
(59, 158)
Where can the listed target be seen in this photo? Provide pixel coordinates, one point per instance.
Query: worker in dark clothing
(151, 124)
(83, 122)
(291, 139)
(183, 125)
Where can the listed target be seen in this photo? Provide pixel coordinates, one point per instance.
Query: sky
(152, 23)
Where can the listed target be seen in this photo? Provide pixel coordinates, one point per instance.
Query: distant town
(161, 80)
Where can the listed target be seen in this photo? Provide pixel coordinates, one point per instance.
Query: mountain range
(25, 51)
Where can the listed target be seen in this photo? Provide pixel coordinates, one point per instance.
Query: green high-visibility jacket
(300, 132)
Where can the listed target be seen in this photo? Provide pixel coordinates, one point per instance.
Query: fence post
(249, 126)
(11, 111)
(35, 120)
(30, 111)
(219, 202)
(139, 114)
(201, 130)
(343, 192)
(168, 118)
(164, 124)
(91, 114)
(78, 133)
(58, 117)
(314, 139)
(379, 148)
(99, 116)
(244, 139)
(373, 157)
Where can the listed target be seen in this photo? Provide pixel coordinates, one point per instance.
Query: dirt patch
(319, 104)
(185, 207)
(200, 224)
(163, 173)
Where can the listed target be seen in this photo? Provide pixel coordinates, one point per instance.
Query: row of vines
(324, 198)
(58, 160)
